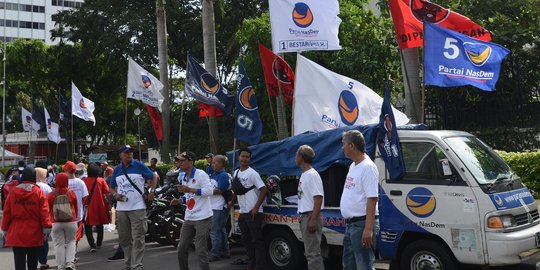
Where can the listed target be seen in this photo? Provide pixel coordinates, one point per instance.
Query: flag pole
(181, 120)
(233, 155)
(294, 94)
(125, 122)
(72, 136)
(272, 111)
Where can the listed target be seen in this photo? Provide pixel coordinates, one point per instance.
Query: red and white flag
(408, 17)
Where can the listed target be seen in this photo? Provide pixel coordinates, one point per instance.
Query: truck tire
(284, 251)
(427, 254)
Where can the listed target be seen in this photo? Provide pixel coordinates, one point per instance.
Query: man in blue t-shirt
(127, 187)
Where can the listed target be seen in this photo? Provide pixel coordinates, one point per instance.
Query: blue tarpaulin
(278, 157)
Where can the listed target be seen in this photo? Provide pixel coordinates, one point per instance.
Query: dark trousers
(26, 257)
(43, 252)
(253, 240)
(90, 235)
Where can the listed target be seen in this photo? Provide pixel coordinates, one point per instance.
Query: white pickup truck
(458, 203)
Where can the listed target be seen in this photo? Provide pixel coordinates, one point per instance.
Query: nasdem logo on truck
(421, 202)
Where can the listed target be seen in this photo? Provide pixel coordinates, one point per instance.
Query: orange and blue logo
(209, 83)
(421, 202)
(146, 81)
(81, 103)
(498, 200)
(302, 15)
(28, 119)
(247, 98)
(477, 53)
(49, 123)
(348, 107)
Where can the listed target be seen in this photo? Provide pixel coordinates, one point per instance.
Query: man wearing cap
(81, 171)
(79, 187)
(127, 187)
(209, 169)
(197, 189)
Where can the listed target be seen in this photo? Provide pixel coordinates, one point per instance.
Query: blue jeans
(354, 255)
(218, 233)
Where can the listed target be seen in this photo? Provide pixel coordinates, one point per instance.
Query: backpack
(62, 208)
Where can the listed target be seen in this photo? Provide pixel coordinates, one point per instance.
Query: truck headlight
(501, 222)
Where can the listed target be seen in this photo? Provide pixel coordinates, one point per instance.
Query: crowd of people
(38, 201)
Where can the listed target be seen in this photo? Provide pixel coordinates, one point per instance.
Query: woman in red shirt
(97, 211)
(63, 232)
(26, 220)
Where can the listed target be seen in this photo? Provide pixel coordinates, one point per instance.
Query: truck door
(432, 198)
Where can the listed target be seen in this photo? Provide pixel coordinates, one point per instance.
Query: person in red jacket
(97, 211)
(63, 232)
(26, 220)
(12, 180)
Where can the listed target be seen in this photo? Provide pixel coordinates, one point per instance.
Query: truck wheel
(427, 255)
(283, 249)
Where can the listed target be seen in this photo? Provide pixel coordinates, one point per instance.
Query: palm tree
(163, 76)
(209, 44)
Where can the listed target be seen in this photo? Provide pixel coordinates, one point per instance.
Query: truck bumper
(512, 247)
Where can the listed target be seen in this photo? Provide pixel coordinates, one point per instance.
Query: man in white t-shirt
(77, 185)
(359, 204)
(198, 217)
(310, 203)
(251, 216)
(127, 188)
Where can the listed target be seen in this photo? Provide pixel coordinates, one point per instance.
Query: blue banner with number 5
(454, 59)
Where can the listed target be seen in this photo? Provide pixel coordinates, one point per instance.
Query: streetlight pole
(137, 112)
(4, 98)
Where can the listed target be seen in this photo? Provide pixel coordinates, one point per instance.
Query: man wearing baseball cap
(197, 189)
(209, 169)
(127, 187)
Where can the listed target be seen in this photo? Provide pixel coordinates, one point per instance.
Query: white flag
(81, 106)
(304, 25)
(28, 123)
(53, 132)
(142, 85)
(326, 100)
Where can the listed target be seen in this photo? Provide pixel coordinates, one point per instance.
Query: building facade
(31, 19)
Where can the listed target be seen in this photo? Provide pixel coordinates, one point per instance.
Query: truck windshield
(485, 165)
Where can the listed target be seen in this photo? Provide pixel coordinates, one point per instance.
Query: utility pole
(210, 63)
(411, 79)
(163, 77)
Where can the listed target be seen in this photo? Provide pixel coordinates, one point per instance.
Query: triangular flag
(53, 132)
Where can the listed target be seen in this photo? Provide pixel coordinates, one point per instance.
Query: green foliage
(201, 164)
(164, 168)
(527, 166)
(510, 139)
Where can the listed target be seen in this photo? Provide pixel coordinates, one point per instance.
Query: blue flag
(388, 140)
(203, 87)
(37, 115)
(64, 109)
(454, 59)
(248, 126)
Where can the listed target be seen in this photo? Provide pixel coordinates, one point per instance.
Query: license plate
(537, 239)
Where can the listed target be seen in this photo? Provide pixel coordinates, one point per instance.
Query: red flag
(408, 15)
(272, 66)
(155, 117)
(206, 110)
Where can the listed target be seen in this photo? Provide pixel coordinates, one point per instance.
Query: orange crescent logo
(302, 15)
(210, 89)
(348, 107)
(81, 103)
(421, 202)
(245, 98)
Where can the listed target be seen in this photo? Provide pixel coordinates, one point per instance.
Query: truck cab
(458, 203)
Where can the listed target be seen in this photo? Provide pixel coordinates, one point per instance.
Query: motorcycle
(165, 220)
